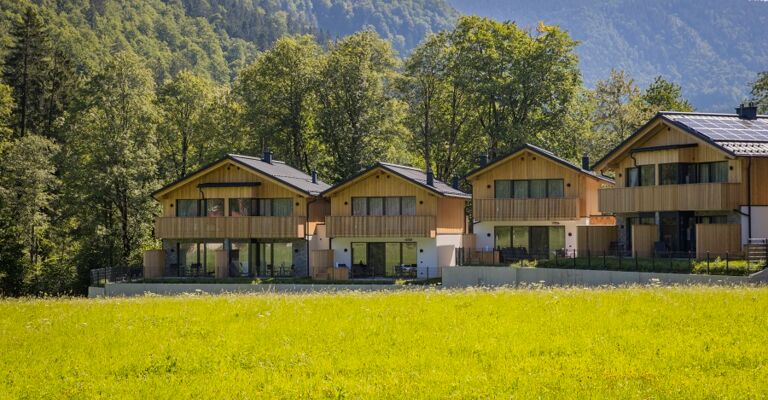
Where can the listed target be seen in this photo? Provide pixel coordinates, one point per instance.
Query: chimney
(267, 156)
(314, 176)
(483, 160)
(430, 178)
(455, 182)
(585, 162)
(747, 112)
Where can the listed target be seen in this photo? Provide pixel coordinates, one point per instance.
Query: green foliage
(113, 161)
(279, 94)
(663, 95)
(185, 103)
(636, 343)
(358, 119)
(710, 47)
(760, 92)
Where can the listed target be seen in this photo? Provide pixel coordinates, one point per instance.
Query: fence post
(574, 260)
(589, 259)
(726, 262)
(637, 268)
(708, 273)
(603, 259)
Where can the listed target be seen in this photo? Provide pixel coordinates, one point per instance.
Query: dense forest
(97, 113)
(713, 48)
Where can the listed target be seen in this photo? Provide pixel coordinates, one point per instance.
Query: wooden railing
(380, 226)
(690, 197)
(229, 227)
(525, 209)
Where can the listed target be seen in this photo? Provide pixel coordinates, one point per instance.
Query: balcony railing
(380, 226)
(526, 209)
(690, 197)
(229, 227)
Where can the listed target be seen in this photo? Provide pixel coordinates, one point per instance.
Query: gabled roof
(538, 150)
(729, 133)
(411, 174)
(277, 170)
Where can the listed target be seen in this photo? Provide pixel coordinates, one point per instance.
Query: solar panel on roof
(724, 128)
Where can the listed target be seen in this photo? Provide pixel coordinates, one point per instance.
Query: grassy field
(563, 343)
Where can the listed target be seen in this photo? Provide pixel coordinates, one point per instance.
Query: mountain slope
(713, 48)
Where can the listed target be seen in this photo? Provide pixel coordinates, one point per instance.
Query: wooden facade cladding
(434, 215)
(229, 172)
(688, 197)
(526, 209)
(579, 200)
(381, 226)
(230, 227)
(221, 181)
(718, 240)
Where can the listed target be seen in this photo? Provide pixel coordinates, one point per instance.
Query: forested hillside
(713, 48)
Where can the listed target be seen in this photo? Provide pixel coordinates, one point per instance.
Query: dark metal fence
(102, 276)
(618, 260)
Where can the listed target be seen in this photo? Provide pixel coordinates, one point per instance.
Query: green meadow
(644, 343)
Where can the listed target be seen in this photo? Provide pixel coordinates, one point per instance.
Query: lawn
(699, 342)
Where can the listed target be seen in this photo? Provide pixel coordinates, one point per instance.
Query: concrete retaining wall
(507, 276)
(140, 289)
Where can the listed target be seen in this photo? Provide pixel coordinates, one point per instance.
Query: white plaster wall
(426, 259)
(446, 249)
(759, 223)
(485, 241)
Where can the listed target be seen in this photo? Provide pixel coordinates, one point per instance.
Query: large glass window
(265, 207)
(520, 236)
(647, 175)
(240, 259)
(503, 237)
(187, 208)
(520, 189)
(534, 188)
(669, 174)
(538, 188)
(375, 206)
(382, 258)
(282, 207)
(282, 257)
(392, 205)
(718, 172)
(242, 207)
(408, 205)
(214, 207)
(212, 250)
(556, 238)
(359, 206)
(633, 177)
(384, 205)
(359, 253)
(503, 189)
(555, 188)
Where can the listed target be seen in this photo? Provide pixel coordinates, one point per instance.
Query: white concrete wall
(759, 223)
(446, 249)
(508, 276)
(485, 238)
(426, 252)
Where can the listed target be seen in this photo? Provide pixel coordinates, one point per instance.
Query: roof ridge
(706, 114)
(259, 159)
(400, 166)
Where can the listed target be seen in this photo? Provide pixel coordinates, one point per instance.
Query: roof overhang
(649, 128)
(158, 194)
(383, 167)
(527, 147)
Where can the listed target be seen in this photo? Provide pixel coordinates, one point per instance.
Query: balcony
(526, 209)
(690, 197)
(380, 226)
(229, 227)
